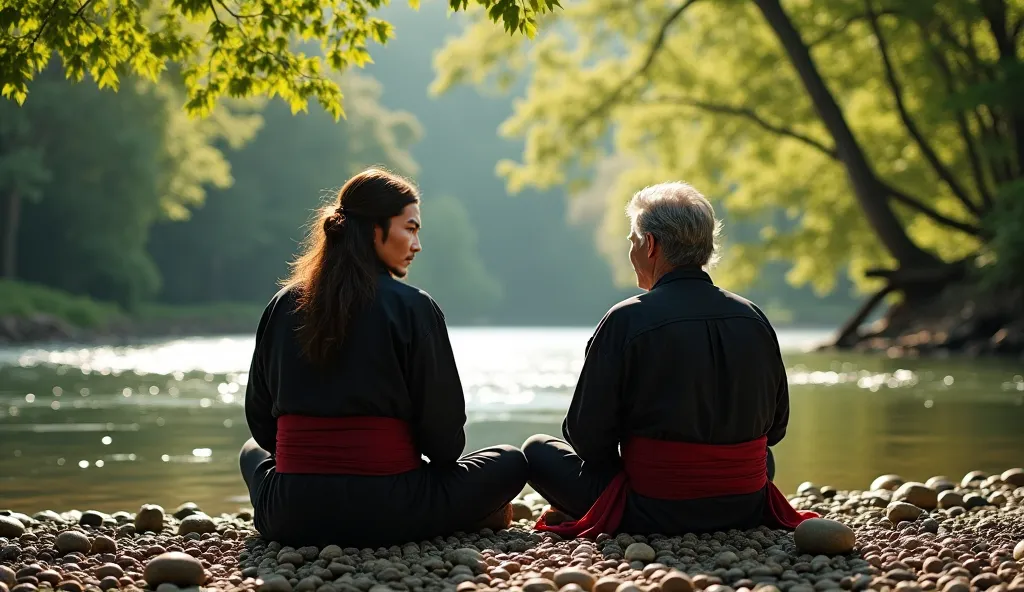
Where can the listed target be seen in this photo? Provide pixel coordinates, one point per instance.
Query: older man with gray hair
(681, 394)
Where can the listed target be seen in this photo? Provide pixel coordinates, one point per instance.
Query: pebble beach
(953, 535)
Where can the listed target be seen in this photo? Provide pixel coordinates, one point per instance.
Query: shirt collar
(683, 273)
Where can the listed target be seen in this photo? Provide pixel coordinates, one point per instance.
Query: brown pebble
(606, 584)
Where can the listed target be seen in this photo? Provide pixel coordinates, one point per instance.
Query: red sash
(682, 471)
(344, 446)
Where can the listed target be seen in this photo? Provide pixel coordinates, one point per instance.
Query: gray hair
(680, 219)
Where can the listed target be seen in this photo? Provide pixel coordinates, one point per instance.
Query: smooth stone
(676, 581)
(293, 557)
(821, 536)
(1014, 477)
(11, 528)
(972, 477)
(806, 487)
(606, 584)
(639, 552)
(91, 518)
(180, 569)
(898, 512)
(939, 483)
(109, 569)
(471, 558)
(71, 541)
(888, 482)
(521, 511)
(104, 544)
(1018, 551)
(197, 523)
(574, 575)
(150, 518)
(7, 575)
(974, 500)
(538, 585)
(916, 494)
(185, 510)
(276, 583)
(950, 499)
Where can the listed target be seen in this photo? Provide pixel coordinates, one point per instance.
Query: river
(111, 428)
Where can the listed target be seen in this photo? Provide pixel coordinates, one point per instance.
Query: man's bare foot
(499, 520)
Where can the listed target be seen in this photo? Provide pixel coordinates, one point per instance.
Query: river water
(111, 428)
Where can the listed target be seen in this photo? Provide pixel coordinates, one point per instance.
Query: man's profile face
(398, 249)
(641, 262)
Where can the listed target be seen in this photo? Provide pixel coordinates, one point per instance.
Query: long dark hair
(336, 274)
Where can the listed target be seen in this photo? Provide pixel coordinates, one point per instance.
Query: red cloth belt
(683, 471)
(344, 446)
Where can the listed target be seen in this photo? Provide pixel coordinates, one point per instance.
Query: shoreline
(947, 535)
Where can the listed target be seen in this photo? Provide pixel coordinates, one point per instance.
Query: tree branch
(750, 114)
(905, 199)
(845, 24)
(897, 91)
(46, 21)
(961, 121)
(652, 52)
(236, 15)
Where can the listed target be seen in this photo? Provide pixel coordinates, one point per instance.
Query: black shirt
(687, 362)
(396, 362)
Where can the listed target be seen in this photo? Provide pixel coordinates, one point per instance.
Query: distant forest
(118, 197)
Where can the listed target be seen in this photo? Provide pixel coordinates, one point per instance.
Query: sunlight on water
(112, 427)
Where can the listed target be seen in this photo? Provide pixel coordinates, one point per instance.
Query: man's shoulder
(397, 291)
(744, 304)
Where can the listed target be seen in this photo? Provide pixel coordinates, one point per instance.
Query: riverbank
(32, 314)
(962, 319)
(940, 535)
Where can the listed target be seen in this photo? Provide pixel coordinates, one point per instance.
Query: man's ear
(651, 244)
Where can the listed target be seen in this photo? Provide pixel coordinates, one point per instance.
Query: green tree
(223, 48)
(99, 169)
(889, 132)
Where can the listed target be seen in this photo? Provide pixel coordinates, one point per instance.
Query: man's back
(686, 362)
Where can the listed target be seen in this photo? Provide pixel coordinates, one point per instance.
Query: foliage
(719, 94)
(22, 299)
(223, 48)
(100, 181)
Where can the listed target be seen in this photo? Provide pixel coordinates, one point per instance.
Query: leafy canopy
(223, 48)
(621, 94)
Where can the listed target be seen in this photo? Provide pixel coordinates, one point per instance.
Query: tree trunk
(9, 240)
(870, 193)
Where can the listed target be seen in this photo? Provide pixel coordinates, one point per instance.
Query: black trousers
(369, 511)
(572, 486)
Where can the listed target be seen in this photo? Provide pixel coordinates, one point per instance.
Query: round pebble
(640, 552)
(898, 512)
(150, 518)
(72, 541)
(819, 536)
(11, 528)
(197, 523)
(175, 568)
(886, 482)
(917, 494)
